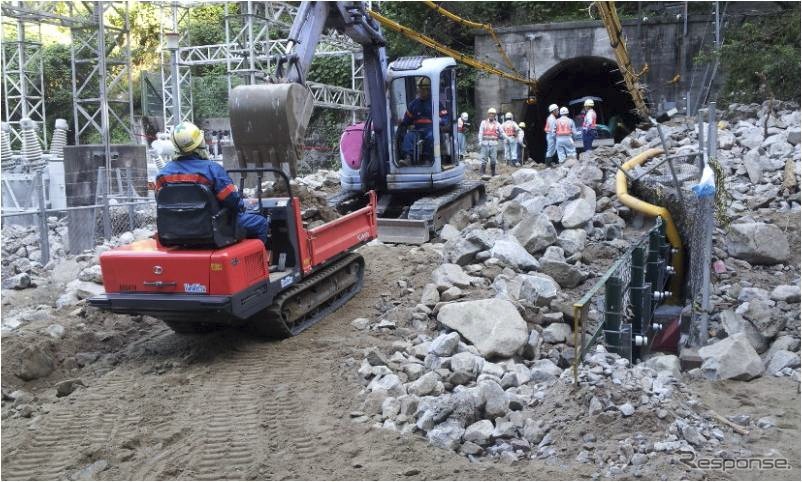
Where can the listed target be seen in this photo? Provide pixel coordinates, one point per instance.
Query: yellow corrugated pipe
(672, 234)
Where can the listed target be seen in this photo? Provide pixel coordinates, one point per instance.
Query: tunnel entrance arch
(574, 78)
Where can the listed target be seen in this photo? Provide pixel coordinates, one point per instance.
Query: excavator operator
(191, 165)
(419, 116)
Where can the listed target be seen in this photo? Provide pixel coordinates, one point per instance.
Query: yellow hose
(672, 234)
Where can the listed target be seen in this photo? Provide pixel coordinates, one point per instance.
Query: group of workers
(508, 132)
(560, 131)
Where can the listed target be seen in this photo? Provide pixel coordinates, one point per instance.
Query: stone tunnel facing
(577, 78)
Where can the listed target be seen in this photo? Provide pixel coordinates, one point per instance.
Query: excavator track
(312, 299)
(437, 210)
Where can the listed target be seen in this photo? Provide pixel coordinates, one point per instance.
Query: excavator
(415, 169)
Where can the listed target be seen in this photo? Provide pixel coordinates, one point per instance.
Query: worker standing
(191, 165)
(509, 131)
(489, 134)
(462, 131)
(588, 126)
(551, 133)
(565, 135)
(521, 144)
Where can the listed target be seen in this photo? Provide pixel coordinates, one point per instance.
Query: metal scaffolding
(103, 105)
(176, 75)
(23, 73)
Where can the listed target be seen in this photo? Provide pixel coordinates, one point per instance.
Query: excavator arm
(269, 121)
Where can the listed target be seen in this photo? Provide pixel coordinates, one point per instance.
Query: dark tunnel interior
(572, 79)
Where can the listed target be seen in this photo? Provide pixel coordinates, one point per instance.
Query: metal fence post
(129, 196)
(712, 127)
(102, 186)
(701, 134)
(637, 288)
(612, 312)
(44, 240)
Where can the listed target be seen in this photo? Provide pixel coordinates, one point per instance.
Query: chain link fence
(121, 202)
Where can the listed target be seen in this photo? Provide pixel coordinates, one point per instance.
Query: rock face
(758, 243)
(731, 358)
(492, 325)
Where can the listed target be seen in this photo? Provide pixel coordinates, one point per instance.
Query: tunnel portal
(574, 78)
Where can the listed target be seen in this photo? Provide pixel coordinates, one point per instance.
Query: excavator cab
(423, 131)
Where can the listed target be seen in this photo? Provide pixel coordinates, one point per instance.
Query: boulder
(753, 166)
(664, 364)
(557, 333)
(465, 367)
(430, 295)
(572, 240)
(544, 370)
(486, 238)
(496, 403)
(781, 359)
(763, 316)
(512, 214)
(758, 243)
(794, 136)
(521, 176)
(577, 213)
(535, 232)
(554, 265)
(460, 251)
(446, 435)
(493, 325)
(734, 323)
(449, 232)
(786, 293)
(17, 282)
(514, 255)
(731, 358)
(425, 385)
(479, 433)
(751, 138)
(36, 361)
(449, 274)
(540, 289)
(533, 343)
(445, 344)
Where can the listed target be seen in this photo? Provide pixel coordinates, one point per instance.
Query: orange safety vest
(564, 126)
(509, 128)
(460, 125)
(490, 132)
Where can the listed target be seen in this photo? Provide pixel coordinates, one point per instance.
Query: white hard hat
(491, 110)
(553, 107)
(464, 116)
(563, 110)
(588, 102)
(522, 125)
(508, 115)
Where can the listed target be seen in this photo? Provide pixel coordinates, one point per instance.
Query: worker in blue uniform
(191, 164)
(419, 117)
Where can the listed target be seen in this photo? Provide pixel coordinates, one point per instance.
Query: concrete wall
(658, 42)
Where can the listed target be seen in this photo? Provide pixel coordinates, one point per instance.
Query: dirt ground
(224, 406)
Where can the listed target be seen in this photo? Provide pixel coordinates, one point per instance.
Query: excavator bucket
(268, 124)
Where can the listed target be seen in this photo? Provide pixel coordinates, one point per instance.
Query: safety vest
(589, 122)
(460, 125)
(510, 129)
(489, 130)
(564, 126)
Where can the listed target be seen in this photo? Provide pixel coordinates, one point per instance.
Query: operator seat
(190, 215)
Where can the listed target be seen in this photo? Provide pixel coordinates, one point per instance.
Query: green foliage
(766, 45)
(209, 96)
(57, 83)
(331, 70)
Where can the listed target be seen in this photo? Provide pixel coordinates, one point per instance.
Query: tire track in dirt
(90, 422)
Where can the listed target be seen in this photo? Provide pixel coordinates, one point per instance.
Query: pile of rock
(21, 265)
(484, 390)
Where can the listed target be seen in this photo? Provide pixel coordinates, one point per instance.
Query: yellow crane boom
(465, 59)
(612, 23)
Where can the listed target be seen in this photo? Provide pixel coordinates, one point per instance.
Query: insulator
(8, 161)
(31, 148)
(59, 139)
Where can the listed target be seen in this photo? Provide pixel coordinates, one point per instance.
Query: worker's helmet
(424, 82)
(187, 137)
(563, 110)
(464, 116)
(553, 107)
(508, 115)
(588, 102)
(522, 125)
(491, 110)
